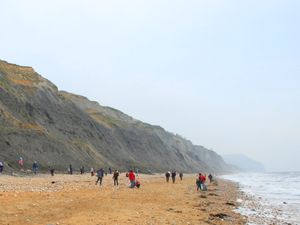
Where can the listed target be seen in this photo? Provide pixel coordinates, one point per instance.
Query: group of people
(131, 176)
(35, 166)
(101, 173)
(173, 175)
(133, 181)
(201, 180)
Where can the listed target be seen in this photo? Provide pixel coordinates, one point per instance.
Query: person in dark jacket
(52, 171)
(198, 182)
(82, 170)
(100, 174)
(181, 175)
(35, 167)
(116, 177)
(173, 176)
(168, 174)
(210, 177)
(1, 167)
(70, 169)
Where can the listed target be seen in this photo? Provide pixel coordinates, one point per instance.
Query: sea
(269, 198)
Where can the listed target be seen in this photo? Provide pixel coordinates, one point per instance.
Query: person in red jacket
(202, 181)
(202, 178)
(131, 177)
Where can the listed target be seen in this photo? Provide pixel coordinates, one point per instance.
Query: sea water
(270, 198)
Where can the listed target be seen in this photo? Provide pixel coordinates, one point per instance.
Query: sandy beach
(75, 199)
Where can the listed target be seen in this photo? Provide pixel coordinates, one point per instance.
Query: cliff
(56, 128)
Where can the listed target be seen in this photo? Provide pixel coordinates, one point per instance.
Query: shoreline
(261, 209)
(255, 211)
(75, 199)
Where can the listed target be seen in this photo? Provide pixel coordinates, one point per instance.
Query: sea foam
(269, 197)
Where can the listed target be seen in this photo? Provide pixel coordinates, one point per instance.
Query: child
(137, 184)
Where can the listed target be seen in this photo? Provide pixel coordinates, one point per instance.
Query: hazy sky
(223, 73)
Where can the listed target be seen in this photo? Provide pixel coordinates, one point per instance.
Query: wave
(269, 197)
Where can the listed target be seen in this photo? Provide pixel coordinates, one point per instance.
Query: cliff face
(57, 128)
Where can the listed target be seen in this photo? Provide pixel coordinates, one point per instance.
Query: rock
(230, 203)
(219, 215)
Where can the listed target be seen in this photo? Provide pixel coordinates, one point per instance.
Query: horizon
(224, 75)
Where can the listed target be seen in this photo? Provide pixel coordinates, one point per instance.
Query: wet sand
(75, 199)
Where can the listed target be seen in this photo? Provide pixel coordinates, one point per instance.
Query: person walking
(173, 176)
(198, 182)
(131, 177)
(210, 177)
(70, 169)
(21, 163)
(168, 174)
(110, 171)
(52, 171)
(181, 175)
(92, 171)
(100, 174)
(35, 167)
(82, 170)
(116, 177)
(1, 167)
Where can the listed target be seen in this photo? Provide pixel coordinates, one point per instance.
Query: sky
(223, 74)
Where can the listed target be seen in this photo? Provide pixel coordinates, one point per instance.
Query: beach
(75, 199)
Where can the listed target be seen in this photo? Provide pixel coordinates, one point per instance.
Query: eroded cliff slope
(56, 128)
